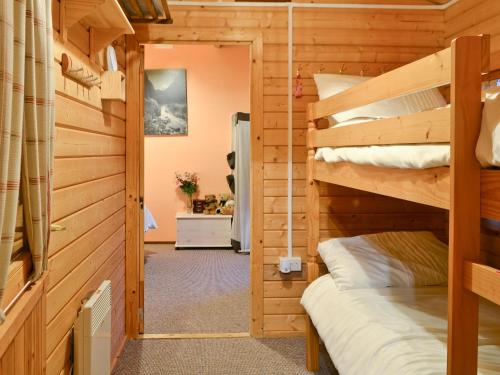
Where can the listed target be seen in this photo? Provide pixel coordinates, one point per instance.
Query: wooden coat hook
(342, 69)
(78, 71)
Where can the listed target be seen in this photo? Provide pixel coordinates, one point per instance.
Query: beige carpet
(245, 356)
(195, 291)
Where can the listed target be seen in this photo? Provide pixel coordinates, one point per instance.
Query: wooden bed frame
(468, 192)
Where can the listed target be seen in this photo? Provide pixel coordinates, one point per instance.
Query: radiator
(93, 334)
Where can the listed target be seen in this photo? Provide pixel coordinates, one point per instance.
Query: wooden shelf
(106, 20)
(113, 86)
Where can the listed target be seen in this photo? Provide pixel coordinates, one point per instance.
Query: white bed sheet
(422, 156)
(397, 156)
(149, 220)
(392, 331)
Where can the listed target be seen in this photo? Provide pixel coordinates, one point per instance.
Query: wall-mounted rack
(147, 11)
(106, 20)
(78, 71)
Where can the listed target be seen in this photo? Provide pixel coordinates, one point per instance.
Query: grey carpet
(195, 291)
(245, 356)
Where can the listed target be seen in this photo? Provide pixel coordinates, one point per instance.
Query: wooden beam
(465, 201)
(257, 194)
(482, 280)
(133, 124)
(424, 186)
(313, 212)
(159, 33)
(401, 81)
(417, 128)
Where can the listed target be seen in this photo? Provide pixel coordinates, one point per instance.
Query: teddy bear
(228, 208)
(211, 205)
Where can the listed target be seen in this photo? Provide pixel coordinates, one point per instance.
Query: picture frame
(165, 102)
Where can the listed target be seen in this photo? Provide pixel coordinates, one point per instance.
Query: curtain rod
(245, 4)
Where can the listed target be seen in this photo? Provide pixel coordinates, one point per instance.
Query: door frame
(134, 257)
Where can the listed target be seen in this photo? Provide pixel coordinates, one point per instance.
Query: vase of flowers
(188, 183)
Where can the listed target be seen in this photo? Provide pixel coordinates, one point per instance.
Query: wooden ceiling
(379, 2)
(156, 11)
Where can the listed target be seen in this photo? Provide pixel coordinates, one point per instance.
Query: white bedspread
(392, 331)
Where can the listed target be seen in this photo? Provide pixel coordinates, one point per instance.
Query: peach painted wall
(218, 85)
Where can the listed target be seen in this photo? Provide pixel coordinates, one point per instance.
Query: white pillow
(399, 259)
(488, 144)
(332, 84)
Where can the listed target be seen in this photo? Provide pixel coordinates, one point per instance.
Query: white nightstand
(198, 230)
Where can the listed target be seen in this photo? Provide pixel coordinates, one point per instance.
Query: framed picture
(165, 102)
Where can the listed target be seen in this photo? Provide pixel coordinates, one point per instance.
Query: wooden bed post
(468, 54)
(312, 201)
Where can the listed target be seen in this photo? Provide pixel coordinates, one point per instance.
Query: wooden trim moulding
(158, 33)
(132, 189)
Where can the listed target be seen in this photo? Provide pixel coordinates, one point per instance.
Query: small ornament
(298, 85)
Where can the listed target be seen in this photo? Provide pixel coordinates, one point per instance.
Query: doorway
(134, 190)
(196, 98)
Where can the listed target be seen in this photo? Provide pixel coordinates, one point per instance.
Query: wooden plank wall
(324, 40)
(474, 17)
(89, 201)
(367, 42)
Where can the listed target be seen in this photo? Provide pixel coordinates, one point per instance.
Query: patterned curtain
(26, 126)
(38, 141)
(12, 20)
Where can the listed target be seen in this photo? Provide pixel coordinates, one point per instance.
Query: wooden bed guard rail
(482, 280)
(467, 191)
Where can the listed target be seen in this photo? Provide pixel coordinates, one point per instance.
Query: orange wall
(218, 84)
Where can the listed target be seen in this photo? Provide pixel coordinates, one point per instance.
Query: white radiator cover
(93, 334)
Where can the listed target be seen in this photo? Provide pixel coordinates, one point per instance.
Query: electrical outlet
(290, 264)
(295, 264)
(285, 266)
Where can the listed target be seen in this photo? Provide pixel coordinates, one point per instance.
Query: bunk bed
(462, 187)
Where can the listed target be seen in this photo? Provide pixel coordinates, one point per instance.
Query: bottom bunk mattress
(393, 331)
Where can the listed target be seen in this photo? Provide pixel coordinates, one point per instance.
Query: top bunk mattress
(393, 331)
(399, 156)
